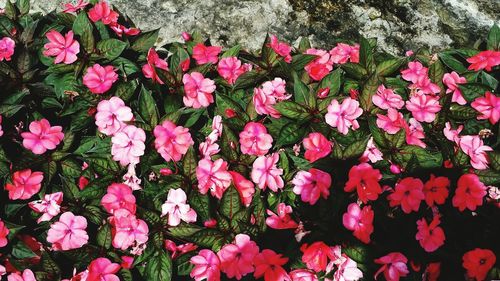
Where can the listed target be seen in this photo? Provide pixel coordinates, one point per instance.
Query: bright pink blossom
(27, 275)
(484, 60)
(265, 173)
(127, 230)
(360, 221)
(281, 219)
(177, 209)
(478, 263)
(430, 236)
(206, 266)
(112, 115)
(64, 48)
(73, 8)
(319, 67)
(4, 232)
(365, 180)
(415, 72)
(154, 61)
(25, 184)
(316, 255)
(206, 54)
(343, 116)
(172, 141)
(198, 90)
(392, 122)
(436, 190)
(387, 98)
(264, 104)
(281, 48)
(268, 264)
(100, 79)
(68, 233)
(452, 80)
(311, 185)
(42, 136)
(254, 139)
(7, 46)
(317, 146)
(414, 133)
(119, 196)
(303, 275)
(102, 269)
(49, 206)
(128, 145)
(237, 258)
(213, 176)
(425, 86)
(469, 193)
(393, 266)
(120, 30)
(245, 188)
(127, 262)
(408, 194)
(343, 53)
(102, 12)
(423, 107)
(488, 107)
(452, 134)
(475, 148)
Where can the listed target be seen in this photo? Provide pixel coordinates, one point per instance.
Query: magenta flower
(68, 233)
(488, 107)
(319, 67)
(24, 184)
(128, 145)
(281, 219)
(100, 79)
(118, 196)
(415, 72)
(245, 188)
(42, 136)
(317, 146)
(237, 258)
(393, 266)
(360, 221)
(423, 107)
(206, 266)
(197, 90)
(392, 122)
(268, 264)
(265, 173)
(281, 48)
(343, 116)
(172, 141)
(102, 12)
(311, 185)
(49, 206)
(4, 232)
(430, 236)
(102, 269)
(414, 133)
(128, 230)
(254, 139)
(343, 53)
(452, 80)
(7, 46)
(213, 176)
(408, 194)
(484, 60)
(64, 48)
(177, 209)
(112, 115)
(452, 134)
(231, 68)
(153, 62)
(206, 54)
(475, 148)
(469, 193)
(387, 98)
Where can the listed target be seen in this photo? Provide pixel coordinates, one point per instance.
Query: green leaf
(189, 164)
(390, 66)
(228, 141)
(291, 133)
(301, 92)
(471, 91)
(436, 73)
(452, 62)
(333, 81)
(355, 70)
(233, 52)
(493, 42)
(249, 79)
(488, 177)
(23, 6)
(145, 41)
(366, 55)
(83, 27)
(184, 230)
(61, 83)
(304, 44)
(147, 107)
(355, 149)
(111, 48)
(8, 110)
(158, 267)
(103, 236)
(201, 203)
(208, 238)
(301, 60)
(292, 110)
(461, 112)
(22, 251)
(126, 90)
(230, 203)
(426, 159)
(494, 157)
(489, 80)
(369, 89)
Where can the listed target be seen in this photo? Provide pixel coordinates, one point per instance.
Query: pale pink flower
(4, 232)
(452, 134)
(206, 266)
(27, 275)
(172, 141)
(276, 88)
(387, 98)
(319, 67)
(209, 147)
(49, 206)
(281, 48)
(213, 176)
(303, 275)
(268, 264)
(392, 122)
(393, 266)
(128, 145)
(451, 80)
(317, 146)
(423, 107)
(311, 185)
(100, 79)
(197, 90)
(265, 173)
(42, 136)
(128, 230)
(118, 196)
(112, 116)
(102, 12)
(7, 46)
(131, 179)
(342, 53)
(415, 71)
(73, 8)
(372, 153)
(414, 133)
(281, 219)
(154, 61)
(68, 233)
(236, 259)
(343, 116)
(120, 30)
(254, 139)
(475, 148)
(488, 107)
(360, 221)
(264, 104)
(347, 270)
(25, 184)
(245, 188)
(102, 269)
(177, 209)
(3, 271)
(206, 54)
(64, 48)
(230, 69)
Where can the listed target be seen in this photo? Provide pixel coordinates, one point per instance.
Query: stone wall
(399, 25)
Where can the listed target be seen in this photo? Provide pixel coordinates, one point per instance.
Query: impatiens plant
(124, 159)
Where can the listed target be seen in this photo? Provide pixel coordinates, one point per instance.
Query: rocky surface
(399, 25)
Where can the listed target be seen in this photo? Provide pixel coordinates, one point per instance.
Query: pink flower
(436, 190)
(102, 12)
(127, 262)
(68, 233)
(415, 72)
(268, 264)
(392, 122)
(50, 206)
(119, 196)
(343, 116)
(484, 60)
(319, 67)
(393, 266)
(237, 258)
(316, 255)
(342, 53)
(120, 30)
(360, 221)
(245, 188)
(100, 79)
(281, 219)
(264, 104)
(303, 275)
(153, 62)
(451, 80)
(425, 85)
(347, 270)
(102, 269)
(42, 136)
(206, 266)
(317, 146)
(488, 107)
(469, 193)
(7, 46)
(24, 184)
(414, 133)
(311, 185)
(451, 134)
(387, 98)
(206, 54)
(186, 36)
(179, 250)
(423, 107)
(365, 180)
(4, 231)
(281, 48)
(475, 148)
(112, 116)
(26, 276)
(408, 193)
(213, 176)
(128, 145)
(73, 8)
(127, 230)
(64, 48)
(265, 173)
(276, 88)
(230, 69)
(172, 141)
(177, 209)
(430, 236)
(254, 139)
(372, 153)
(198, 90)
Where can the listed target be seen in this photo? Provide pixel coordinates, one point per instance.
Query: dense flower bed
(122, 160)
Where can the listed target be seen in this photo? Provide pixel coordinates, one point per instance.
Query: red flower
(469, 193)
(430, 236)
(478, 262)
(316, 255)
(360, 221)
(268, 264)
(366, 180)
(484, 60)
(408, 193)
(436, 190)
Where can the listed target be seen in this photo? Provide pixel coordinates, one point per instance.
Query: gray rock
(399, 25)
